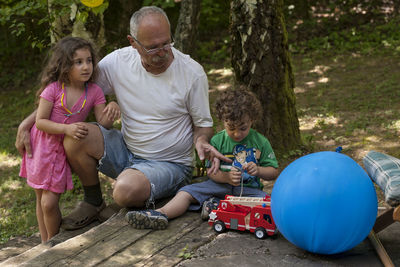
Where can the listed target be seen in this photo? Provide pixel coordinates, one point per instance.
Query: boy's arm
(232, 177)
(267, 173)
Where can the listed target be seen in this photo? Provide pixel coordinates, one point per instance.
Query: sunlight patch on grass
(373, 139)
(224, 72)
(320, 121)
(7, 160)
(299, 90)
(320, 69)
(395, 125)
(310, 84)
(223, 86)
(11, 185)
(323, 80)
(220, 79)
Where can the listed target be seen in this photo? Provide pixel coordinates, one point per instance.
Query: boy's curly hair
(233, 105)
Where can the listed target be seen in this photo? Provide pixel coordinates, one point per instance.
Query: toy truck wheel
(219, 227)
(260, 233)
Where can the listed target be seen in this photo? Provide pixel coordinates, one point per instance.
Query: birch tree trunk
(186, 29)
(261, 61)
(68, 19)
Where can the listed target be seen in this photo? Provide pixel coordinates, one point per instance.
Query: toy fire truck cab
(244, 213)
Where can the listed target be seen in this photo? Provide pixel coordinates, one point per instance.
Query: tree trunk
(60, 23)
(69, 19)
(186, 29)
(261, 61)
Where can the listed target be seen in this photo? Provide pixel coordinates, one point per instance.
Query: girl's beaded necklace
(65, 108)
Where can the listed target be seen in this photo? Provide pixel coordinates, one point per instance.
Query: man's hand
(23, 139)
(207, 151)
(23, 142)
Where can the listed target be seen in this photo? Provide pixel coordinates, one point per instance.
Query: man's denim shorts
(207, 189)
(165, 177)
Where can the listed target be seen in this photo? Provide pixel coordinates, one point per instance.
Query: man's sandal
(147, 219)
(82, 215)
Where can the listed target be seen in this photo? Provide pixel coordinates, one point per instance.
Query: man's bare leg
(83, 156)
(132, 189)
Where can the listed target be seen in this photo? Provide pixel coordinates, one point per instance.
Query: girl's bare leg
(39, 215)
(178, 205)
(51, 212)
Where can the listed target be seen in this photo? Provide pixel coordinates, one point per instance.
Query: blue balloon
(324, 203)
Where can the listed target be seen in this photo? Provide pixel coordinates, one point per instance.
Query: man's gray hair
(140, 14)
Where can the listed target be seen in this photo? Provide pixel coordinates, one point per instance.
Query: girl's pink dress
(48, 168)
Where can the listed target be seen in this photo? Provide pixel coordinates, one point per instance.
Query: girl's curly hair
(61, 59)
(233, 105)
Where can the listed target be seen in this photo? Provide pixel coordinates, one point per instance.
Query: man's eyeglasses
(155, 50)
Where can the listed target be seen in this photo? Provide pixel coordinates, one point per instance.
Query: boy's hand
(76, 130)
(235, 176)
(112, 111)
(251, 168)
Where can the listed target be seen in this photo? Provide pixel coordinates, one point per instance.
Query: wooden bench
(384, 220)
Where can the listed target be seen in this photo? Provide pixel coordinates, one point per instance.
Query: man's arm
(201, 138)
(23, 140)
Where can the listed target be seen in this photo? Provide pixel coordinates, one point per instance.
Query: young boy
(252, 155)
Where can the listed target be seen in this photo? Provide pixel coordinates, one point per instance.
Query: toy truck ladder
(247, 201)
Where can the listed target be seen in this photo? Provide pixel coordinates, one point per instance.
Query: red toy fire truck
(244, 213)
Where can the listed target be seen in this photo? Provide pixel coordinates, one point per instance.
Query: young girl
(66, 97)
(253, 158)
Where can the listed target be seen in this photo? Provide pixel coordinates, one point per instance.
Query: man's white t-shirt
(157, 111)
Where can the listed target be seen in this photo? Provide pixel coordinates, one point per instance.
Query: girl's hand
(234, 177)
(251, 168)
(112, 111)
(76, 130)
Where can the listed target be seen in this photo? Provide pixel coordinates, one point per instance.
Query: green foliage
(214, 51)
(22, 38)
(213, 36)
(363, 39)
(160, 3)
(342, 26)
(185, 253)
(25, 35)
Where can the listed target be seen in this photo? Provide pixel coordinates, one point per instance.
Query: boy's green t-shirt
(265, 155)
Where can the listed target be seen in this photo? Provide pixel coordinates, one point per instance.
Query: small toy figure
(243, 156)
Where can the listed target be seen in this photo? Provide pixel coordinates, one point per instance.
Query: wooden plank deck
(115, 243)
